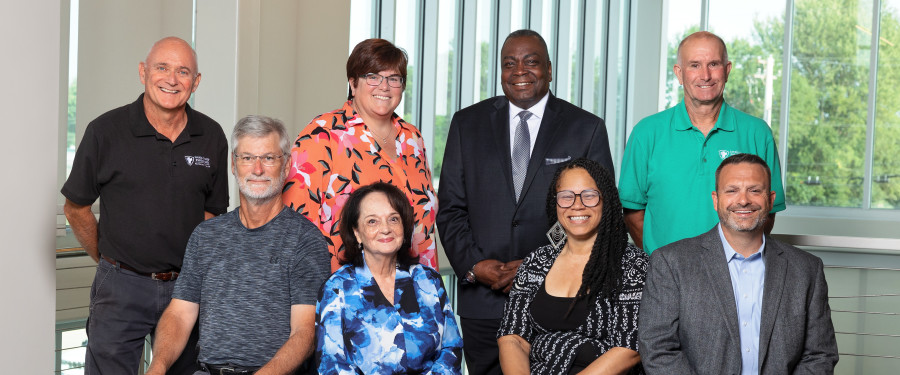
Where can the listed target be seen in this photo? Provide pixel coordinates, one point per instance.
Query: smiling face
(742, 198)
(376, 102)
(579, 222)
(169, 74)
(380, 227)
(257, 181)
(525, 71)
(702, 69)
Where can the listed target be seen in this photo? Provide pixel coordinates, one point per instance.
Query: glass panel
(405, 38)
(73, 84)
(598, 66)
(362, 22)
(828, 102)
(886, 164)
(482, 87)
(548, 26)
(754, 34)
(516, 15)
(445, 99)
(683, 18)
(72, 351)
(575, 30)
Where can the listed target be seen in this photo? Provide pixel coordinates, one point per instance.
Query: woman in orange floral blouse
(363, 142)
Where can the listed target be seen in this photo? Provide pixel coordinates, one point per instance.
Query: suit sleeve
(820, 348)
(453, 216)
(599, 149)
(658, 340)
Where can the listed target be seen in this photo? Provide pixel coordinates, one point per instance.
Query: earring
(557, 235)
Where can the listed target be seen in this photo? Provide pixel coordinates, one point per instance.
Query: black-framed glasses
(589, 198)
(268, 160)
(374, 79)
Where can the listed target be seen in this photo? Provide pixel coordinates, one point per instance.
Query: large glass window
(682, 17)
(831, 105)
(886, 163)
(445, 83)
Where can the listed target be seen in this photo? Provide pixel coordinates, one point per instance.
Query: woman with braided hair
(573, 308)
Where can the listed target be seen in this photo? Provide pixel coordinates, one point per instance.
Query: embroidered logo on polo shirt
(197, 160)
(726, 153)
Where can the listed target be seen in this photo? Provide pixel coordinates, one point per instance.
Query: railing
(864, 295)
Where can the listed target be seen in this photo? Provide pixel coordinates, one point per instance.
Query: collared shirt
(534, 122)
(152, 190)
(747, 280)
(669, 169)
(336, 154)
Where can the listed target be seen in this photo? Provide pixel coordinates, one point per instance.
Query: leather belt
(228, 369)
(161, 276)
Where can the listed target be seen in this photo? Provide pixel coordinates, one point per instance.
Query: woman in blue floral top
(382, 312)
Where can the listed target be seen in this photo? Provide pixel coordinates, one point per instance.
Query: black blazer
(478, 217)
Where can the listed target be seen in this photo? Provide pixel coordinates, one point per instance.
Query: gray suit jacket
(689, 325)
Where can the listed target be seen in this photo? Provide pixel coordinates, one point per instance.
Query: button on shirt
(534, 122)
(747, 279)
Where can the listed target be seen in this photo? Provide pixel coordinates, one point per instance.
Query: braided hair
(603, 272)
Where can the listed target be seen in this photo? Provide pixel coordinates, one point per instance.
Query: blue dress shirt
(747, 279)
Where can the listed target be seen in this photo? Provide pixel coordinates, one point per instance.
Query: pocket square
(551, 161)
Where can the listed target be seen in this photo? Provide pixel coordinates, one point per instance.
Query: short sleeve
(217, 198)
(82, 186)
(190, 279)
(633, 178)
(310, 268)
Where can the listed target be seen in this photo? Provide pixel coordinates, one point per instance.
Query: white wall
(31, 109)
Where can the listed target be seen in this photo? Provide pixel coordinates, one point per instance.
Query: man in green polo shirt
(671, 157)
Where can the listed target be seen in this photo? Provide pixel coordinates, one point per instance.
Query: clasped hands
(496, 274)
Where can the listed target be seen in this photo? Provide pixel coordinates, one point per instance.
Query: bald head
(698, 36)
(174, 44)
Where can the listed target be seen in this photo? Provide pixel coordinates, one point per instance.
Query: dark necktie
(521, 152)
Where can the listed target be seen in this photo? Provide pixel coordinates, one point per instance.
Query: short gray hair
(260, 126)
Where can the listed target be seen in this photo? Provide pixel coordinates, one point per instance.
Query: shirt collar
(537, 110)
(140, 126)
(729, 251)
(724, 122)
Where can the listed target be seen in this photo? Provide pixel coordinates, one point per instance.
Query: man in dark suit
(500, 156)
(734, 300)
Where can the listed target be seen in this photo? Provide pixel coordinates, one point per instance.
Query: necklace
(383, 139)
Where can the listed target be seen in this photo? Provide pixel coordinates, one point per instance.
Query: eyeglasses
(566, 198)
(374, 79)
(268, 160)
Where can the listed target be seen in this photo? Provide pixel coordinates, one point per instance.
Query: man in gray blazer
(733, 300)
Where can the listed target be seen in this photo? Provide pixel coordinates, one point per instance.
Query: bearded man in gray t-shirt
(251, 276)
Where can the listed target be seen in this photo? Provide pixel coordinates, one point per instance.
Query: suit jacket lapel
(720, 282)
(776, 269)
(546, 134)
(499, 122)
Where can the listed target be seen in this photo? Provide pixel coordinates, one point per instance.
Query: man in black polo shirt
(161, 168)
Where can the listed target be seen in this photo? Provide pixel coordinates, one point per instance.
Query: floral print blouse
(336, 153)
(359, 332)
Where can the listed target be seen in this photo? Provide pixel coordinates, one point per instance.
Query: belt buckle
(164, 276)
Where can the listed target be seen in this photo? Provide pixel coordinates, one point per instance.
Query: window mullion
(870, 116)
(786, 70)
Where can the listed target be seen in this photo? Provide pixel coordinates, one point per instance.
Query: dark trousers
(480, 346)
(125, 307)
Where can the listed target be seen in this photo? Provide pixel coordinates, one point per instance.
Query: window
(454, 48)
(832, 107)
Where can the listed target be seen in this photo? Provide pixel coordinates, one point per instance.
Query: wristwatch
(470, 276)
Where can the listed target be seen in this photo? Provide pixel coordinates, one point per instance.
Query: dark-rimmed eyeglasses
(268, 160)
(374, 79)
(566, 198)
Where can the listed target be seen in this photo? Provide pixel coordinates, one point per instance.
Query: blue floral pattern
(359, 332)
